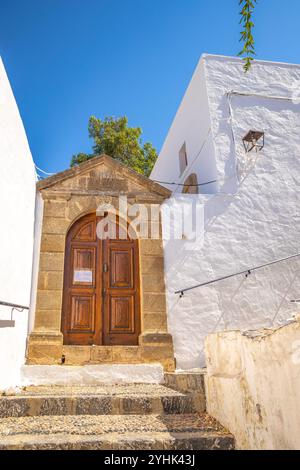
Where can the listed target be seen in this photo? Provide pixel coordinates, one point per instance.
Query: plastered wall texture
(17, 200)
(253, 386)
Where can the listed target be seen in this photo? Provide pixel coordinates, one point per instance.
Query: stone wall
(65, 201)
(253, 385)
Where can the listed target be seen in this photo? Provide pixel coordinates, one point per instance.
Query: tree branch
(246, 38)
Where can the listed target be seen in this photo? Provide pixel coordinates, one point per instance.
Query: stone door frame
(97, 293)
(45, 342)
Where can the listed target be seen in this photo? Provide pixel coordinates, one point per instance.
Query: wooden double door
(101, 303)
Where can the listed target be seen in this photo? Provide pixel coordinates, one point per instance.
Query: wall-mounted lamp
(254, 140)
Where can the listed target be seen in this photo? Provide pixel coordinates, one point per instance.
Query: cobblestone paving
(111, 390)
(99, 425)
(115, 417)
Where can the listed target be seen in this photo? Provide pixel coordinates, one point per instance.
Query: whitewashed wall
(17, 200)
(252, 218)
(191, 126)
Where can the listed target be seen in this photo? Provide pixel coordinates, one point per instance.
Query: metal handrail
(8, 304)
(247, 272)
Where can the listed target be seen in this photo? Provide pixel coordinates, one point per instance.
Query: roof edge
(206, 56)
(95, 161)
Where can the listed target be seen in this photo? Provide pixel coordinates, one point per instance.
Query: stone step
(135, 432)
(191, 382)
(98, 400)
(188, 380)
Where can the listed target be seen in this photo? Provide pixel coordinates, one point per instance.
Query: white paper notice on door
(83, 275)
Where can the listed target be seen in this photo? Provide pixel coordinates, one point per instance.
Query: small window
(191, 184)
(182, 159)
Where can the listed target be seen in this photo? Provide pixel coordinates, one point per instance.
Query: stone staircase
(111, 417)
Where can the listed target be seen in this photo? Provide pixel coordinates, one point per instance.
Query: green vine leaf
(248, 50)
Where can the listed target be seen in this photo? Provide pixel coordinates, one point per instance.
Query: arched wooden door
(101, 299)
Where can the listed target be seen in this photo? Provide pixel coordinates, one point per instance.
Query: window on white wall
(183, 162)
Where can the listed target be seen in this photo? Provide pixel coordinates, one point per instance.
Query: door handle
(105, 268)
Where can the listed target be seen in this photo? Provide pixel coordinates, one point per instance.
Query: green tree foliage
(247, 39)
(115, 138)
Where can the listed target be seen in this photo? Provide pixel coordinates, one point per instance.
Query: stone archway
(68, 196)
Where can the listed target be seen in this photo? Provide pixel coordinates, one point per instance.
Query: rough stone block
(52, 280)
(13, 407)
(47, 353)
(159, 353)
(154, 302)
(177, 381)
(156, 338)
(93, 405)
(155, 322)
(191, 383)
(49, 299)
(178, 405)
(77, 355)
(79, 206)
(54, 208)
(152, 264)
(133, 406)
(55, 225)
(53, 406)
(126, 354)
(151, 247)
(101, 354)
(51, 262)
(49, 319)
(168, 364)
(52, 243)
(153, 282)
(43, 336)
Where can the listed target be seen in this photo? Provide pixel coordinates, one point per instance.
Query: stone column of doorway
(46, 341)
(155, 341)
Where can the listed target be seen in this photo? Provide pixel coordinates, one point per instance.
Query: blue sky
(69, 59)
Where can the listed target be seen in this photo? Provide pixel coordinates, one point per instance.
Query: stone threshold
(80, 355)
(153, 348)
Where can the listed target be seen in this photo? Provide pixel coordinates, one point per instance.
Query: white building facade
(250, 203)
(17, 202)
